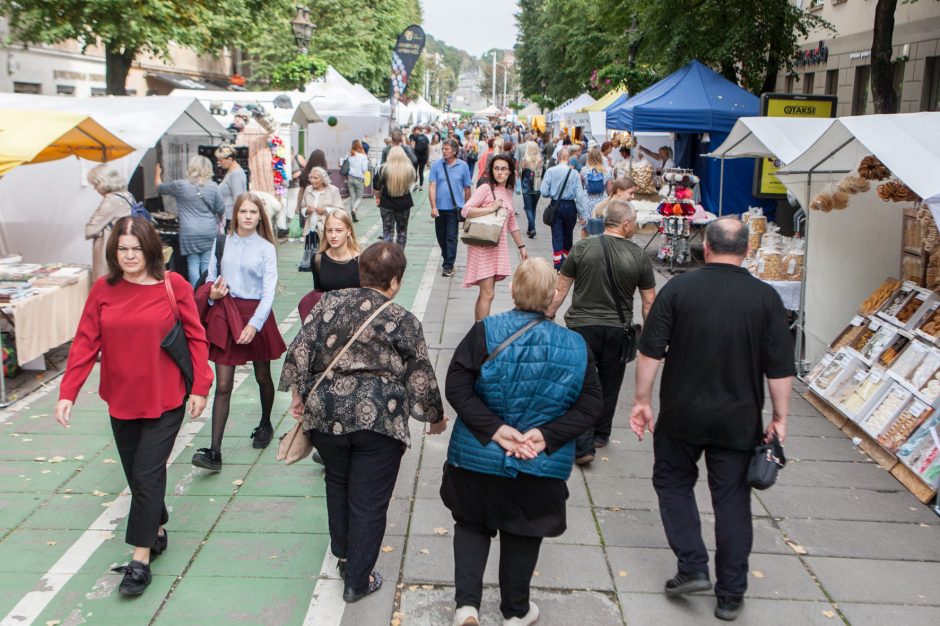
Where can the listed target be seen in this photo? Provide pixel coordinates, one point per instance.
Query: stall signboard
(766, 185)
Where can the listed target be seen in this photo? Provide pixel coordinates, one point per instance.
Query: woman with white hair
(115, 203)
(199, 205)
(321, 197)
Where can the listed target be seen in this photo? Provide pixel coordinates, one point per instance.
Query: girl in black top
(337, 264)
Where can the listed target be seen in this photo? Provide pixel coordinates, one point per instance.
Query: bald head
(727, 236)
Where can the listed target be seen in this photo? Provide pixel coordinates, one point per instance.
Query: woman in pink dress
(488, 264)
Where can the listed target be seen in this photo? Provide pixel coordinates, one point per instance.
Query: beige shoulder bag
(295, 445)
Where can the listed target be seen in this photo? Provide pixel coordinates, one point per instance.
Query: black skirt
(530, 506)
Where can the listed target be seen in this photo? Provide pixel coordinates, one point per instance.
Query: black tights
(224, 381)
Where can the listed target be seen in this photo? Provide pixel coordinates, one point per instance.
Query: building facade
(839, 64)
(65, 69)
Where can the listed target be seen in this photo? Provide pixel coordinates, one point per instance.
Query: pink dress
(485, 262)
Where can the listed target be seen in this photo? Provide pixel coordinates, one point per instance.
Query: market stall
(556, 117)
(592, 119)
(874, 340)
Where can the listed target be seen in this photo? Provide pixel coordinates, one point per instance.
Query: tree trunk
(882, 70)
(117, 65)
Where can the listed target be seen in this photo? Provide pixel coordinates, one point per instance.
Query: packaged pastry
(930, 325)
(911, 307)
(849, 335)
(913, 415)
(853, 403)
(879, 296)
(866, 335)
(847, 384)
(793, 263)
(830, 372)
(920, 451)
(897, 301)
(819, 367)
(894, 350)
(908, 361)
(883, 338)
(886, 410)
(770, 264)
(926, 370)
(931, 389)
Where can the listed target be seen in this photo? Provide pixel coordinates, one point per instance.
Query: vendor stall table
(789, 291)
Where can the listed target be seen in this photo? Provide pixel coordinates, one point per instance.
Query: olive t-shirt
(593, 302)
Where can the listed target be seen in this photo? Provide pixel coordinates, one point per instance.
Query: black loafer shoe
(160, 546)
(687, 583)
(350, 595)
(728, 609)
(136, 578)
(209, 459)
(600, 443)
(584, 459)
(261, 436)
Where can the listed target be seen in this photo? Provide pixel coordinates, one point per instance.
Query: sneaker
(447, 272)
(375, 583)
(136, 578)
(687, 583)
(160, 546)
(261, 436)
(526, 620)
(584, 459)
(728, 609)
(531, 234)
(467, 616)
(354, 218)
(601, 443)
(209, 459)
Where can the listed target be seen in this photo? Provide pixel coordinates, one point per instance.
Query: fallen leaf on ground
(68, 490)
(25, 440)
(796, 547)
(14, 434)
(80, 457)
(535, 573)
(66, 497)
(46, 472)
(109, 461)
(615, 441)
(441, 531)
(395, 622)
(57, 459)
(829, 614)
(424, 551)
(427, 587)
(387, 549)
(613, 508)
(189, 445)
(757, 574)
(53, 622)
(99, 493)
(622, 573)
(604, 459)
(924, 525)
(273, 557)
(238, 483)
(51, 543)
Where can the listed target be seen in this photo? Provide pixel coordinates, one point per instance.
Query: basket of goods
(879, 296)
(872, 168)
(642, 174)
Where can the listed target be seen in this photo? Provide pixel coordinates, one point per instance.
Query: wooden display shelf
(885, 459)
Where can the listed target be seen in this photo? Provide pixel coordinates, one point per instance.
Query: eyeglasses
(500, 169)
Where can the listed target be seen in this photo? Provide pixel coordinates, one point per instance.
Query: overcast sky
(472, 25)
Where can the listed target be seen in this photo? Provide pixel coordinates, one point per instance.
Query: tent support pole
(721, 189)
(208, 132)
(104, 148)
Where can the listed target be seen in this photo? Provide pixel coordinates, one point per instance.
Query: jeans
(395, 225)
(196, 264)
(566, 216)
(518, 556)
(603, 344)
(445, 226)
(361, 470)
(530, 201)
(675, 472)
(356, 187)
(144, 446)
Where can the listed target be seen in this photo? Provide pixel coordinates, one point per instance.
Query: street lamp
(505, 80)
(303, 28)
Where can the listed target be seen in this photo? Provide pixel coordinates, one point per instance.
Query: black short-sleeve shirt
(721, 331)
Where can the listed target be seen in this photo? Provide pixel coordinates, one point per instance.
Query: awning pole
(721, 189)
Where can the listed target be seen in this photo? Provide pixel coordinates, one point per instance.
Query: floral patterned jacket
(384, 377)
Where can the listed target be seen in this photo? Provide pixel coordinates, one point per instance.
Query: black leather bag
(548, 215)
(311, 245)
(175, 343)
(767, 461)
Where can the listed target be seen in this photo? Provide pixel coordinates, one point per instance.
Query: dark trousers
(361, 470)
(395, 225)
(675, 472)
(145, 446)
(603, 344)
(445, 226)
(566, 216)
(422, 163)
(530, 201)
(518, 556)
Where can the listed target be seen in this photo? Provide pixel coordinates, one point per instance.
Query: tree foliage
(566, 47)
(297, 72)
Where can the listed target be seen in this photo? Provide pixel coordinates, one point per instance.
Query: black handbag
(344, 168)
(767, 461)
(548, 215)
(310, 250)
(175, 343)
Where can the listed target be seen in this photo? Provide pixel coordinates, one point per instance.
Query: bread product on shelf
(642, 174)
(883, 337)
(793, 262)
(931, 389)
(894, 304)
(849, 335)
(913, 415)
(885, 411)
(930, 325)
(893, 351)
(908, 361)
(853, 184)
(770, 264)
(920, 451)
(879, 296)
(896, 191)
(854, 400)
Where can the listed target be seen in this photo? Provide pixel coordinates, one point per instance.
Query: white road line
(34, 603)
(326, 606)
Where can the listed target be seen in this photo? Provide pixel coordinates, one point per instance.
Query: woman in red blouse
(126, 317)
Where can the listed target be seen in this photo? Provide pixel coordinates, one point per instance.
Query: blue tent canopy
(693, 99)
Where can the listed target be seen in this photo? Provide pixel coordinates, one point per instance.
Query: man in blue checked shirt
(449, 190)
(571, 208)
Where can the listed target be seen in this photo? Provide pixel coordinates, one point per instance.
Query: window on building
(832, 82)
(19, 87)
(789, 84)
(809, 80)
(930, 101)
(99, 91)
(65, 90)
(861, 90)
(898, 80)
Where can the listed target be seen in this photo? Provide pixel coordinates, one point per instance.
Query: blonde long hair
(352, 244)
(532, 158)
(399, 172)
(595, 159)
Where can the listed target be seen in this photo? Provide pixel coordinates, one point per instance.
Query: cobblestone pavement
(837, 540)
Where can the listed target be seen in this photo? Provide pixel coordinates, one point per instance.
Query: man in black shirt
(421, 145)
(721, 332)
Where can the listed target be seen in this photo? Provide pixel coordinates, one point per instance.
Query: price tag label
(875, 324)
(876, 376)
(857, 320)
(917, 408)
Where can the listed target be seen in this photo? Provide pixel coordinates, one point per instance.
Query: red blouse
(126, 322)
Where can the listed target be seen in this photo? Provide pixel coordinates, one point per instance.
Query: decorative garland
(278, 164)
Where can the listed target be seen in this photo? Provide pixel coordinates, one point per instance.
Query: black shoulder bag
(548, 216)
(767, 461)
(630, 331)
(529, 325)
(175, 344)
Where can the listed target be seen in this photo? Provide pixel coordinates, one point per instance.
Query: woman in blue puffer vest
(521, 401)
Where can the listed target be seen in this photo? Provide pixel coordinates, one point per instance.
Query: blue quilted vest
(532, 382)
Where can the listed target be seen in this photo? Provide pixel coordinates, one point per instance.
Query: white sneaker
(526, 620)
(466, 616)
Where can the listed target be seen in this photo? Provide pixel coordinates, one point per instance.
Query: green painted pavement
(246, 544)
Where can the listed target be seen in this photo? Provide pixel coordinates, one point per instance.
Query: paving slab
(845, 504)
(274, 514)
(866, 540)
(878, 581)
(645, 609)
(838, 474)
(860, 614)
(265, 555)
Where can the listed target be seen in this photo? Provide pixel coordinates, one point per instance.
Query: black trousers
(518, 556)
(145, 446)
(675, 472)
(422, 163)
(603, 343)
(445, 227)
(361, 470)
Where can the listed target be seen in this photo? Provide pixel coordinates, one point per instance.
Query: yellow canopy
(604, 102)
(538, 123)
(37, 136)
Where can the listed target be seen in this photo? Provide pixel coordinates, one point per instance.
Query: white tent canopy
(490, 111)
(301, 112)
(425, 110)
(44, 207)
(530, 110)
(571, 106)
(783, 138)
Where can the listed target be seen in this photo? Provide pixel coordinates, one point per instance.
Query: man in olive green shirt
(594, 307)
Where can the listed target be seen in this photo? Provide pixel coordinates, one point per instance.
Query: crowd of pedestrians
(532, 398)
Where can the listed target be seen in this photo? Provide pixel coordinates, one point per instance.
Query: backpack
(137, 208)
(595, 182)
(421, 144)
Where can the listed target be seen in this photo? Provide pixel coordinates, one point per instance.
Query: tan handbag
(485, 230)
(295, 444)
